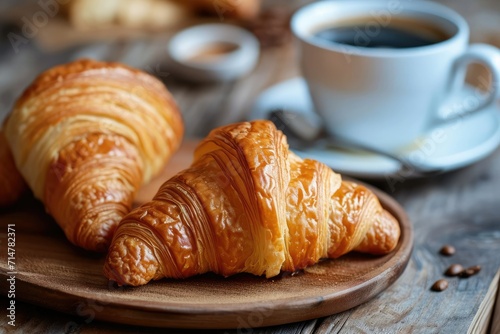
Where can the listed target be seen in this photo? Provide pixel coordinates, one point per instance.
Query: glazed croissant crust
(247, 204)
(85, 136)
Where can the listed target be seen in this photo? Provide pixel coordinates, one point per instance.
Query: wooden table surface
(459, 208)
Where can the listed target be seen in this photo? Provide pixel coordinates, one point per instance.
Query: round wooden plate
(53, 273)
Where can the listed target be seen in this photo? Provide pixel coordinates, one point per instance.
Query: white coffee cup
(388, 97)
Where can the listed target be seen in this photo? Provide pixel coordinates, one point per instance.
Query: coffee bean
(447, 250)
(476, 269)
(467, 273)
(440, 285)
(454, 270)
(470, 272)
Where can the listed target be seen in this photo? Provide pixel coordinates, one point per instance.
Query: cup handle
(485, 54)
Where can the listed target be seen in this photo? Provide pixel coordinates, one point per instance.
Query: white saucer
(449, 147)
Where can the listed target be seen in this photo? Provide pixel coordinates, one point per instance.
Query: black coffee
(397, 33)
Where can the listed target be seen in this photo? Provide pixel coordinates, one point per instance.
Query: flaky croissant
(11, 182)
(247, 204)
(85, 136)
(142, 14)
(239, 9)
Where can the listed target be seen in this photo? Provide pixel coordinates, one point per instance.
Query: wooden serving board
(53, 273)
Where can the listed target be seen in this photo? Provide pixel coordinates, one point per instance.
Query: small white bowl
(230, 65)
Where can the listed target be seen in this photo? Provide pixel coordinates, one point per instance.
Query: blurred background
(38, 34)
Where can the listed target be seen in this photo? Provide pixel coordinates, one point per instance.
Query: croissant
(247, 204)
(12, 184)
(143, 14)
(239, 9)
(85, 136)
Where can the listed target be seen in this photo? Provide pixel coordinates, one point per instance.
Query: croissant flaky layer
(85, 136)
(247, 204)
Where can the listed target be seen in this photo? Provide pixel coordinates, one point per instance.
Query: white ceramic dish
(457, 144)
(228, 66)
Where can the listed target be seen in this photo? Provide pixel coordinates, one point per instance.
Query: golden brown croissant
(143, 14)
(239, 9)
(12, 184)
(85, 136)
(247, 204)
